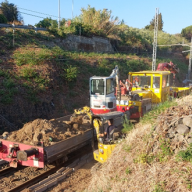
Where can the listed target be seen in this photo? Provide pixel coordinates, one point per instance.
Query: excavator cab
(102, 97)
(102, 92)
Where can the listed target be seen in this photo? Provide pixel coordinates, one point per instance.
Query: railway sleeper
(61, 177)
(40, 188)
(61, 170)
(67, 171)
(54, 175)
(35, 186)
(46, 180)
(51, 183)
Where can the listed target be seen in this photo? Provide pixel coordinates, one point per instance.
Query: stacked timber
(48, 132)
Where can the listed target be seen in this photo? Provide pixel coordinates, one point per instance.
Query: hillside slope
(42, 81)
(148, 160)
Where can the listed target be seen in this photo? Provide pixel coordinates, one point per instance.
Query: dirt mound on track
(48, 131)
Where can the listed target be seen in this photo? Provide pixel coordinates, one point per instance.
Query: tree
(47, 22)
(3, 19)
(100, 20)
(10, 11)
(187, 32)
(152, 23)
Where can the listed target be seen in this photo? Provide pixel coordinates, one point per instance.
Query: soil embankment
(153, 157)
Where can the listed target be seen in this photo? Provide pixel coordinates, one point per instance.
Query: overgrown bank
(42, 81)
(155, 156)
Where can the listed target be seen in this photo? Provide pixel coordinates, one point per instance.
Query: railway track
(35, 179)
(6, 171)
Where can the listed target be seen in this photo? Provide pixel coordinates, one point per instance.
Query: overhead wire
(38, 12)
(32, 15)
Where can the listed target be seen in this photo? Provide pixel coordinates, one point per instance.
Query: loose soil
(48, 131)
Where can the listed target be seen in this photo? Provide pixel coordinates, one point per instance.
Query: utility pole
(190, 57)
(13, 34)
(58, 14)
(72, 9)
(155, 40)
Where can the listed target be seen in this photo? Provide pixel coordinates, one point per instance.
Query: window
(165, 81)
(97, 86)
(110, 86)
(156, 82)
(141, 81)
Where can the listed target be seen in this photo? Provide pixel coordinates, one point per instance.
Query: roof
(111, 115)
(101, 77)
(152, 72)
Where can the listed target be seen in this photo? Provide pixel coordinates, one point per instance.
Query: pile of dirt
(48, 131)
(174, 126)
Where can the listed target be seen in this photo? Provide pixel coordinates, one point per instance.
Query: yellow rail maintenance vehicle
(141, 90)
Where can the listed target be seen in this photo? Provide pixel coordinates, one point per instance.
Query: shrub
(8, 83)
(127, 125)
(71, 73)
(185, 155)
(3, 19)
(128, 171)
(6, 100)
(28, 73)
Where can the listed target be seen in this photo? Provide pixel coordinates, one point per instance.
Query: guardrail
(22, 27)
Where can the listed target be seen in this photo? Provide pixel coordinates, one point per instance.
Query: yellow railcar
(148, 87)
(151, 84)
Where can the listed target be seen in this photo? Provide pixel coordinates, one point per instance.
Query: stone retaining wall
(90, 44)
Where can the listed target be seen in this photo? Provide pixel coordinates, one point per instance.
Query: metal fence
(22, 27)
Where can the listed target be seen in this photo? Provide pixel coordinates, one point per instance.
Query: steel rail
(6, 171)
(34, 180)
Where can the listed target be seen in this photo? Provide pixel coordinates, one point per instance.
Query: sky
(176, 14)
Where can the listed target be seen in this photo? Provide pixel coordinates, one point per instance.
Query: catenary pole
(72, 9)
(190, 57)
(58, 14)
(155, 40)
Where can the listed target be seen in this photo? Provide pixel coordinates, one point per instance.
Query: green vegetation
(8, 83)
(165, 150)
(159, 188)
(31, 57)
(10, 11)
(156, 111)
(185, 155)
(144, 158)
(128, 171)
(71, 73)
(152, 23)
(47, 22)
(7, 89)
(99, 19)
(101, 23)
(187, 32)
(28, 73)
(127, 148)
(127, 125)
(3, 19)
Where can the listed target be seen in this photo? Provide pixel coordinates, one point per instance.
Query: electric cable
(38, 12)
(32, 15)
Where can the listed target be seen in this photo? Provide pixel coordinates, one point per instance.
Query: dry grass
(128, 169)
(185, 100)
